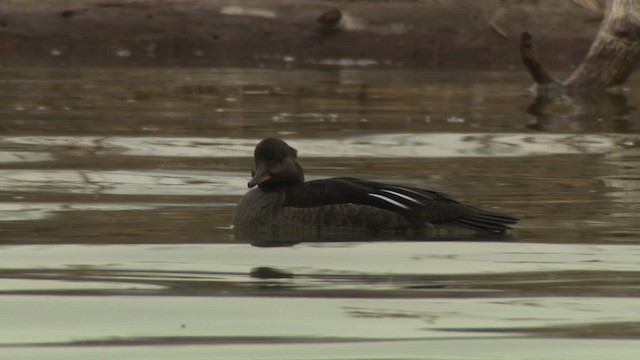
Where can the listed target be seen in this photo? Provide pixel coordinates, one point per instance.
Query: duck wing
(420, 207)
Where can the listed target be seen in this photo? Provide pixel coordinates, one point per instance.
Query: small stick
(530, 60)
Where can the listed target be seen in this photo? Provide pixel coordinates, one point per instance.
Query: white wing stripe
(390, 201)
(408, 190)
(403, 196)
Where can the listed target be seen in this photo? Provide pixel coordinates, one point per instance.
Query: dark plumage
(282, 197)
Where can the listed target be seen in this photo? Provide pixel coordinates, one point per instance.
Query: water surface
(118, 187)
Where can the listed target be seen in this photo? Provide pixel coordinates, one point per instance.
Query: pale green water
(118, 187)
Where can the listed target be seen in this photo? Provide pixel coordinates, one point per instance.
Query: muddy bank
(422, 34)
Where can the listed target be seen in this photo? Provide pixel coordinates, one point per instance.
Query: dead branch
(527, 52)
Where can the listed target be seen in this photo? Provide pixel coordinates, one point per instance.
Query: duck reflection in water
(281, 204)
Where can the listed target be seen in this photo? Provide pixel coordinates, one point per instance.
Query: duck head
(276, 165)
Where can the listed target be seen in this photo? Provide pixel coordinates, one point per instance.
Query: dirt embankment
(418, 33)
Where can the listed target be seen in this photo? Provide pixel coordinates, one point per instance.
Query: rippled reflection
(122, 182)
(582, 112)
(373, 145)
(374, 291)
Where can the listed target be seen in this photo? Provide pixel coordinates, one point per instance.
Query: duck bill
(261, 176)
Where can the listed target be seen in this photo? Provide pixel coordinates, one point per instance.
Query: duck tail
(484, 222)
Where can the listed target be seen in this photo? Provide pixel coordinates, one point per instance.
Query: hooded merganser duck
(283, 198)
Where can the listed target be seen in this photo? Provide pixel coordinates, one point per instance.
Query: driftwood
(583, 101)
(611, 58)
